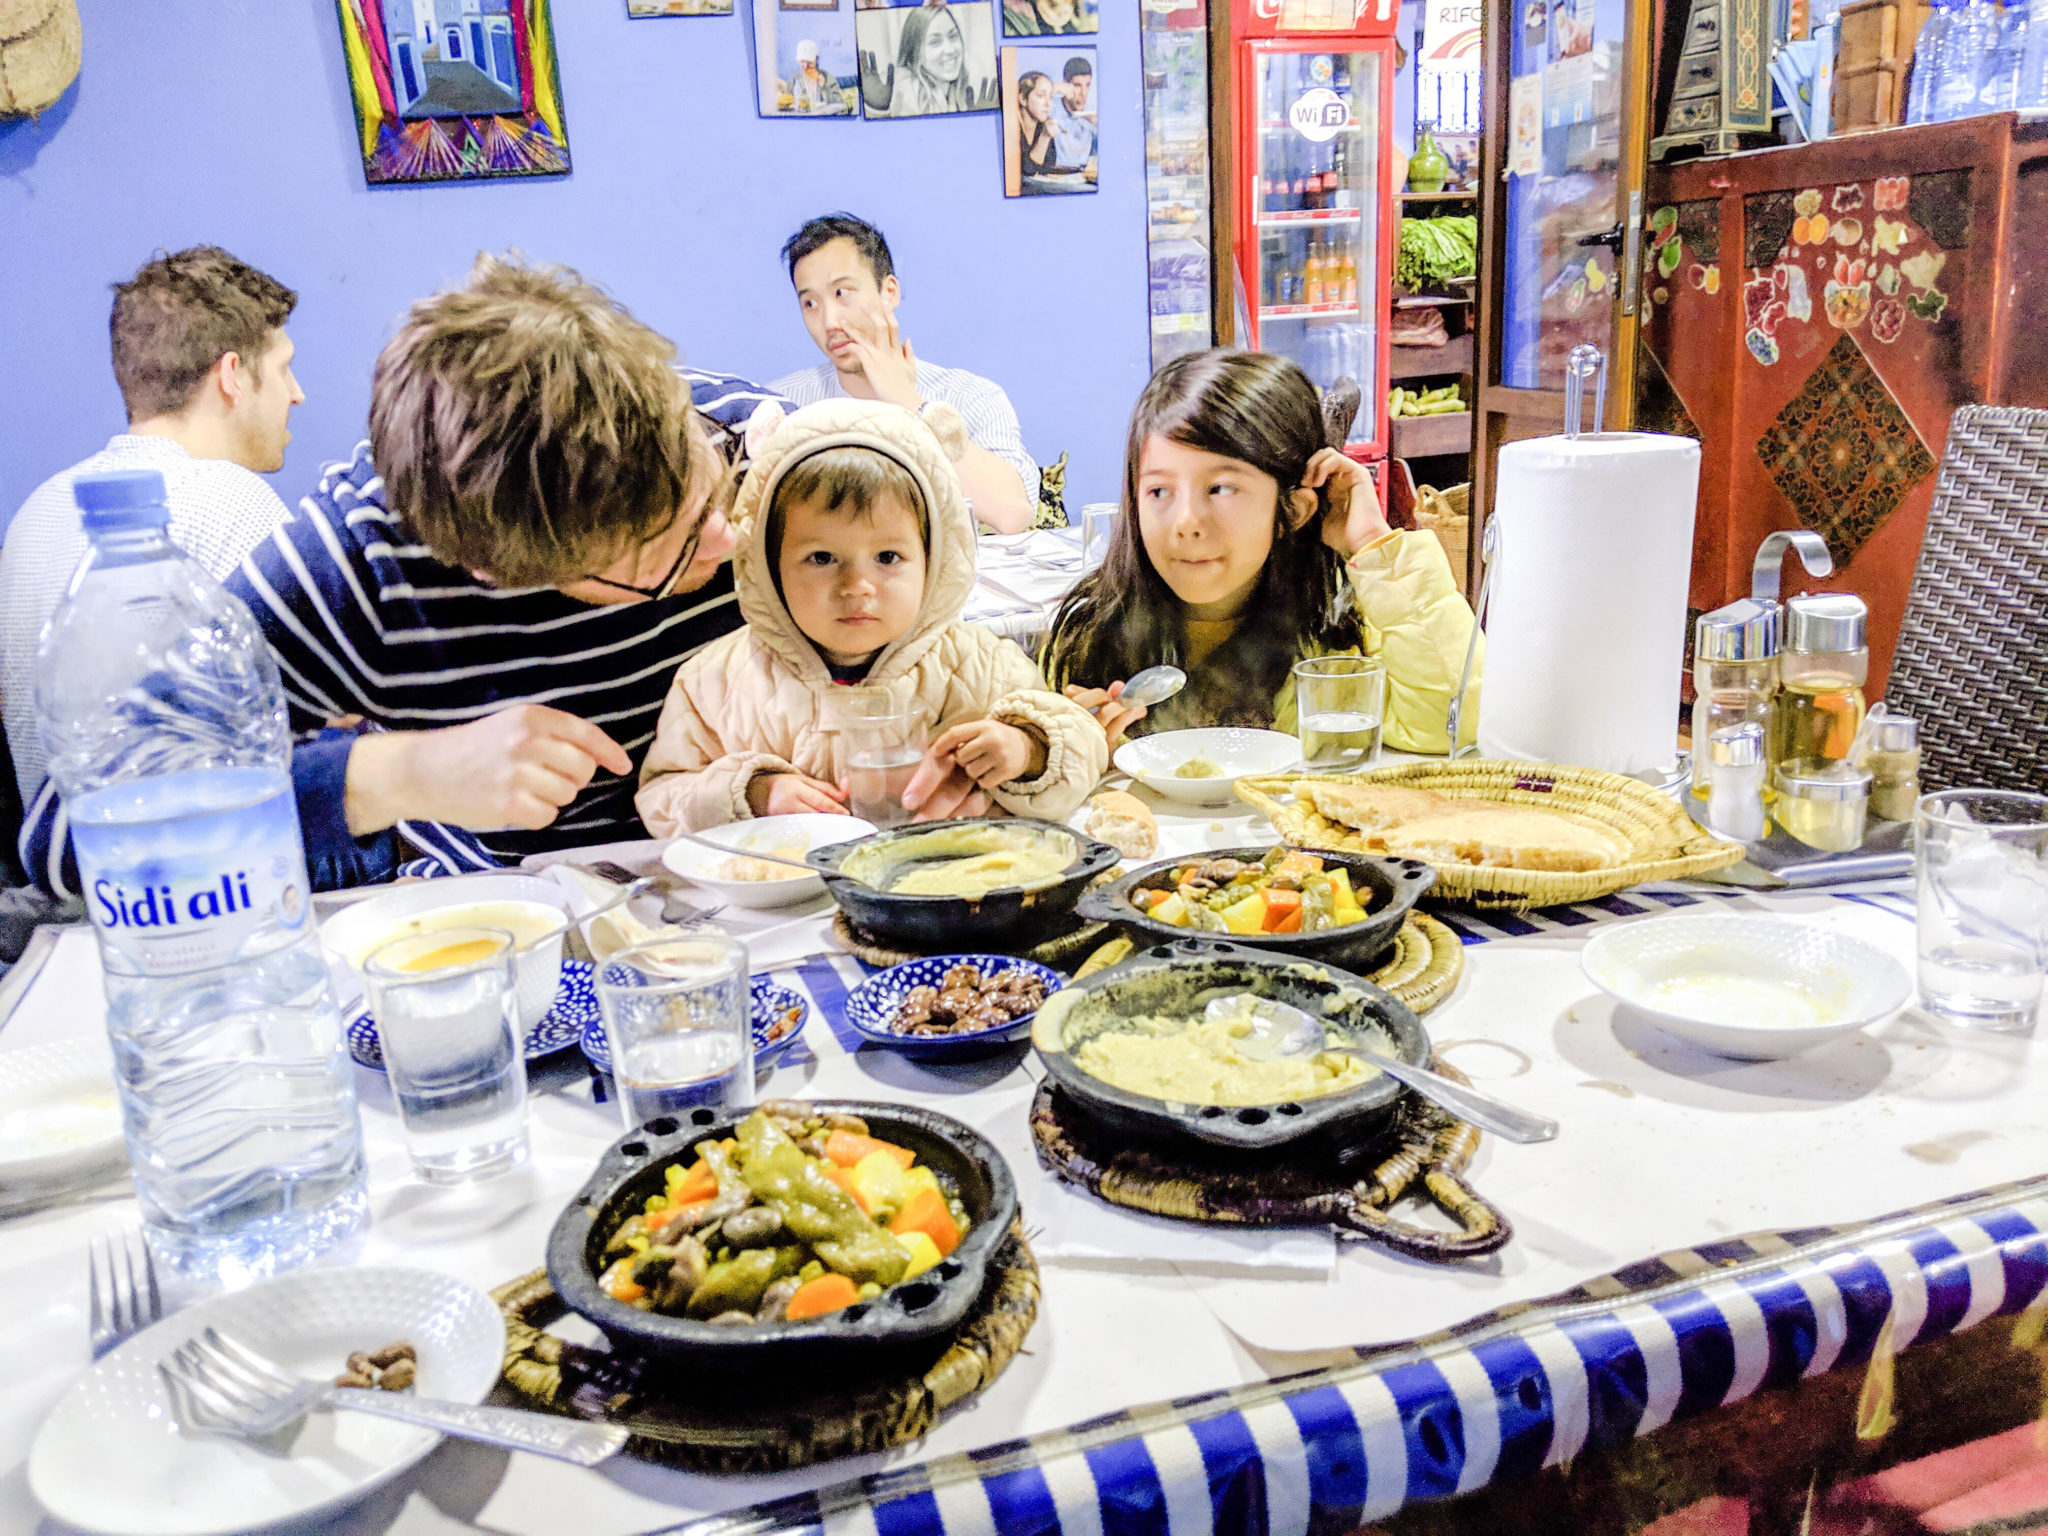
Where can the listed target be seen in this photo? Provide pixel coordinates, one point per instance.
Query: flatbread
(1443, 829)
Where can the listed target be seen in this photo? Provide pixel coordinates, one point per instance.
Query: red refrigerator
(1311, 91)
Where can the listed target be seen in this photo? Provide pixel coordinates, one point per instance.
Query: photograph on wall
(804, 61)
(1049, 120)
(454, 90)
(1048, 18)
(678, 7)
(928, 60)
(1571, 28)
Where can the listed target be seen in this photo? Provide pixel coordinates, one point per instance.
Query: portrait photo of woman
(1048, 18)
(928, 61)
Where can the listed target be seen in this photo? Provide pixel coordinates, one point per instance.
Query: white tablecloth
(1020, 578)
(1661, 1147)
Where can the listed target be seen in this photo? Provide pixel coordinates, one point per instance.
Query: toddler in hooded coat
(856, 556)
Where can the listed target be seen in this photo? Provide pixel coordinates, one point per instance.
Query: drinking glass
(447, 1014)
(885, 741)
(676, 1014)
(1983, 923)
(1337, 707)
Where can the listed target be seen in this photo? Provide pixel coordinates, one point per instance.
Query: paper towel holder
(1767, 574)
(1586, 360)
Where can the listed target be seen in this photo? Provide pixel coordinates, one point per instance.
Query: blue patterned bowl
(774, 1033)
(871, 1007)
(574, 1008)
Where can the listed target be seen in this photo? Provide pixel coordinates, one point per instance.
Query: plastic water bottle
(2032, 88)
(1927, 64)
(2002, 70)
(1965, 53)
(165, 727)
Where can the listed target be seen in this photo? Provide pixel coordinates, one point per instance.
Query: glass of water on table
(885, 741)
(1338, 703)
(676, 1015)
(447, 1016)
(1983, 910)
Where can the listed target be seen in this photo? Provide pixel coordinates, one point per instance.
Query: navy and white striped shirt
(364, 621)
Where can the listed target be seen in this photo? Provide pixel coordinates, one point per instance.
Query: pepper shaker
(1894, 764)
(1735, 802)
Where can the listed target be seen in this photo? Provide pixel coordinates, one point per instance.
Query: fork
(676, 912)
(123, 1289)
(219, 1386)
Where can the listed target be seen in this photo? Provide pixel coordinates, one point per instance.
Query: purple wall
(229, 121)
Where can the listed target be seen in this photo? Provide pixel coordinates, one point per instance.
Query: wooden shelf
(1439, 197)
(1424, 300)
(1420, 437)
(1454, 356)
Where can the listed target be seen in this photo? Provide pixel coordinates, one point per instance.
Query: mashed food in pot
(1196, 1061)
(984, 872)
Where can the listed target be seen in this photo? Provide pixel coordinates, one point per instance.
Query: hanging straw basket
(39, 52)
(1664, 843)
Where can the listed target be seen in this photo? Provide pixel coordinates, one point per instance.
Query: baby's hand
(991, 753)
(793, 794)
(1114, 718)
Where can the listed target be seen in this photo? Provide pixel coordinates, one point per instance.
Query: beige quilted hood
(925, 445)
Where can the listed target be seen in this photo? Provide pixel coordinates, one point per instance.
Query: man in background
(847, 290)
(1073, 119)
(205, 370)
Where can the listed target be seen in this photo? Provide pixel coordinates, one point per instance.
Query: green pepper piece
(736, 1286)
(1318, 904)
(814, 1208)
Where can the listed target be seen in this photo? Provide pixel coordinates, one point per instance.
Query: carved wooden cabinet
(1813, 315)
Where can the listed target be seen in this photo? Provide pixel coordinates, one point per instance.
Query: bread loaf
(1124, 822)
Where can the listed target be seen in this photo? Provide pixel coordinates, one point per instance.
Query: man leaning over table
(500, 582)
(847, 289)
(205, 371)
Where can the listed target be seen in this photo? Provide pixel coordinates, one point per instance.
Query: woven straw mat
(1664, 842)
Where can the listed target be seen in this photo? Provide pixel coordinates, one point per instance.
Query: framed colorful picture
(804, 59)
(454, 90)
(1049, 120)
(678, 7)
(1049, 18)
(927, 60)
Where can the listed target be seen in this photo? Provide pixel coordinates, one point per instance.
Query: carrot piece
(625, 1288)
(700, 1183)
(926, 1212)
(1291, 923)
(843, 1177)
(1279, 905)
(827, 1293)
(847, 1148)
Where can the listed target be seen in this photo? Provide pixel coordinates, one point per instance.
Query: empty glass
(447, 1016)
(1983, 923)
(676, 1014)
(1338, 701)
(885, 741)
(1098, 522)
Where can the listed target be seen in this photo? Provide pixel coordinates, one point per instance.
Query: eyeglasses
(667, 584)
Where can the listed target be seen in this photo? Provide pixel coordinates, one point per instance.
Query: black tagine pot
(861, 876)
(1388, 888)
(778, 1359)
(1177, 980)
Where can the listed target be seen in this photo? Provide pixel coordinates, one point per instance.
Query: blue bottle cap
(121, 498)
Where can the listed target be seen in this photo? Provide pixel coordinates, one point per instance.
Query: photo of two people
(1049, 120)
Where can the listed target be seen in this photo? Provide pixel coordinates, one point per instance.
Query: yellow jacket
(1419, 624)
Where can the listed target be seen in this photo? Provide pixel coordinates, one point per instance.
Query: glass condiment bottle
(1734, 677)
(1736, 807)
(1822, 802)
(1821, 672)
(1894, 763)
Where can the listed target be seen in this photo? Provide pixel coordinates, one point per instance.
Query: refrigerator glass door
(1315, 209)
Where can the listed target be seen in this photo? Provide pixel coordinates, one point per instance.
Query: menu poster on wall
(1525, 125)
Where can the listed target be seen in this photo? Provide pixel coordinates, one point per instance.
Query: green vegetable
(737, 1284)
(1433, 251)
(813, 1207)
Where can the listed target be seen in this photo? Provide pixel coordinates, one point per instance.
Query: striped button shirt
(365, 621)
(991, 420)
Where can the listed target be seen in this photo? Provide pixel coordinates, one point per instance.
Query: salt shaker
(1894, 764)
(1734, 676)
(1735, 802)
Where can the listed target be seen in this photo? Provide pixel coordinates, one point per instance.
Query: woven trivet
(813, 1424)
(1425, 1153)
(1425, 964)
(1063, 951)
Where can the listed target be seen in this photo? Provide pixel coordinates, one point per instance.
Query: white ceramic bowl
(357, 929)
(1151, 760)
(775, 834)
(109, 1458)
(1755, 988)
(60, 1122)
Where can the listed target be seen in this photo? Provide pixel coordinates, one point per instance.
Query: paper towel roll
(1585, 631)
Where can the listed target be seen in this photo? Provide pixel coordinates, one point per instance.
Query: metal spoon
(1280, 1032)
(1154, 685)
(645, 882)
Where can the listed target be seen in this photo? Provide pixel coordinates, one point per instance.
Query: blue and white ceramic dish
(575, 1007)
(871, 1007)
(773, 1031)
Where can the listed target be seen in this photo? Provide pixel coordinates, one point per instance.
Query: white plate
(60, 1122)
(109, 1459)
(700, 866)
(1239, 753)
(1755, 988)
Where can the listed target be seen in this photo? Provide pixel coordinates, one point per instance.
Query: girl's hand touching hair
(1352, 518)
(1114, 718)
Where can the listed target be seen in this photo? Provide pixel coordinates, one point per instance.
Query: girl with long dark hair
(1246, 543)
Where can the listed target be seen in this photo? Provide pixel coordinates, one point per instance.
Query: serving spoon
(1154, 685)
(1281, 1032)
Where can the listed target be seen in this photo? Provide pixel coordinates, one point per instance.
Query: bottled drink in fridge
(164, 722)
(2031, 90)
(1966, 49)
(2000, 86)
(1927, 64)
